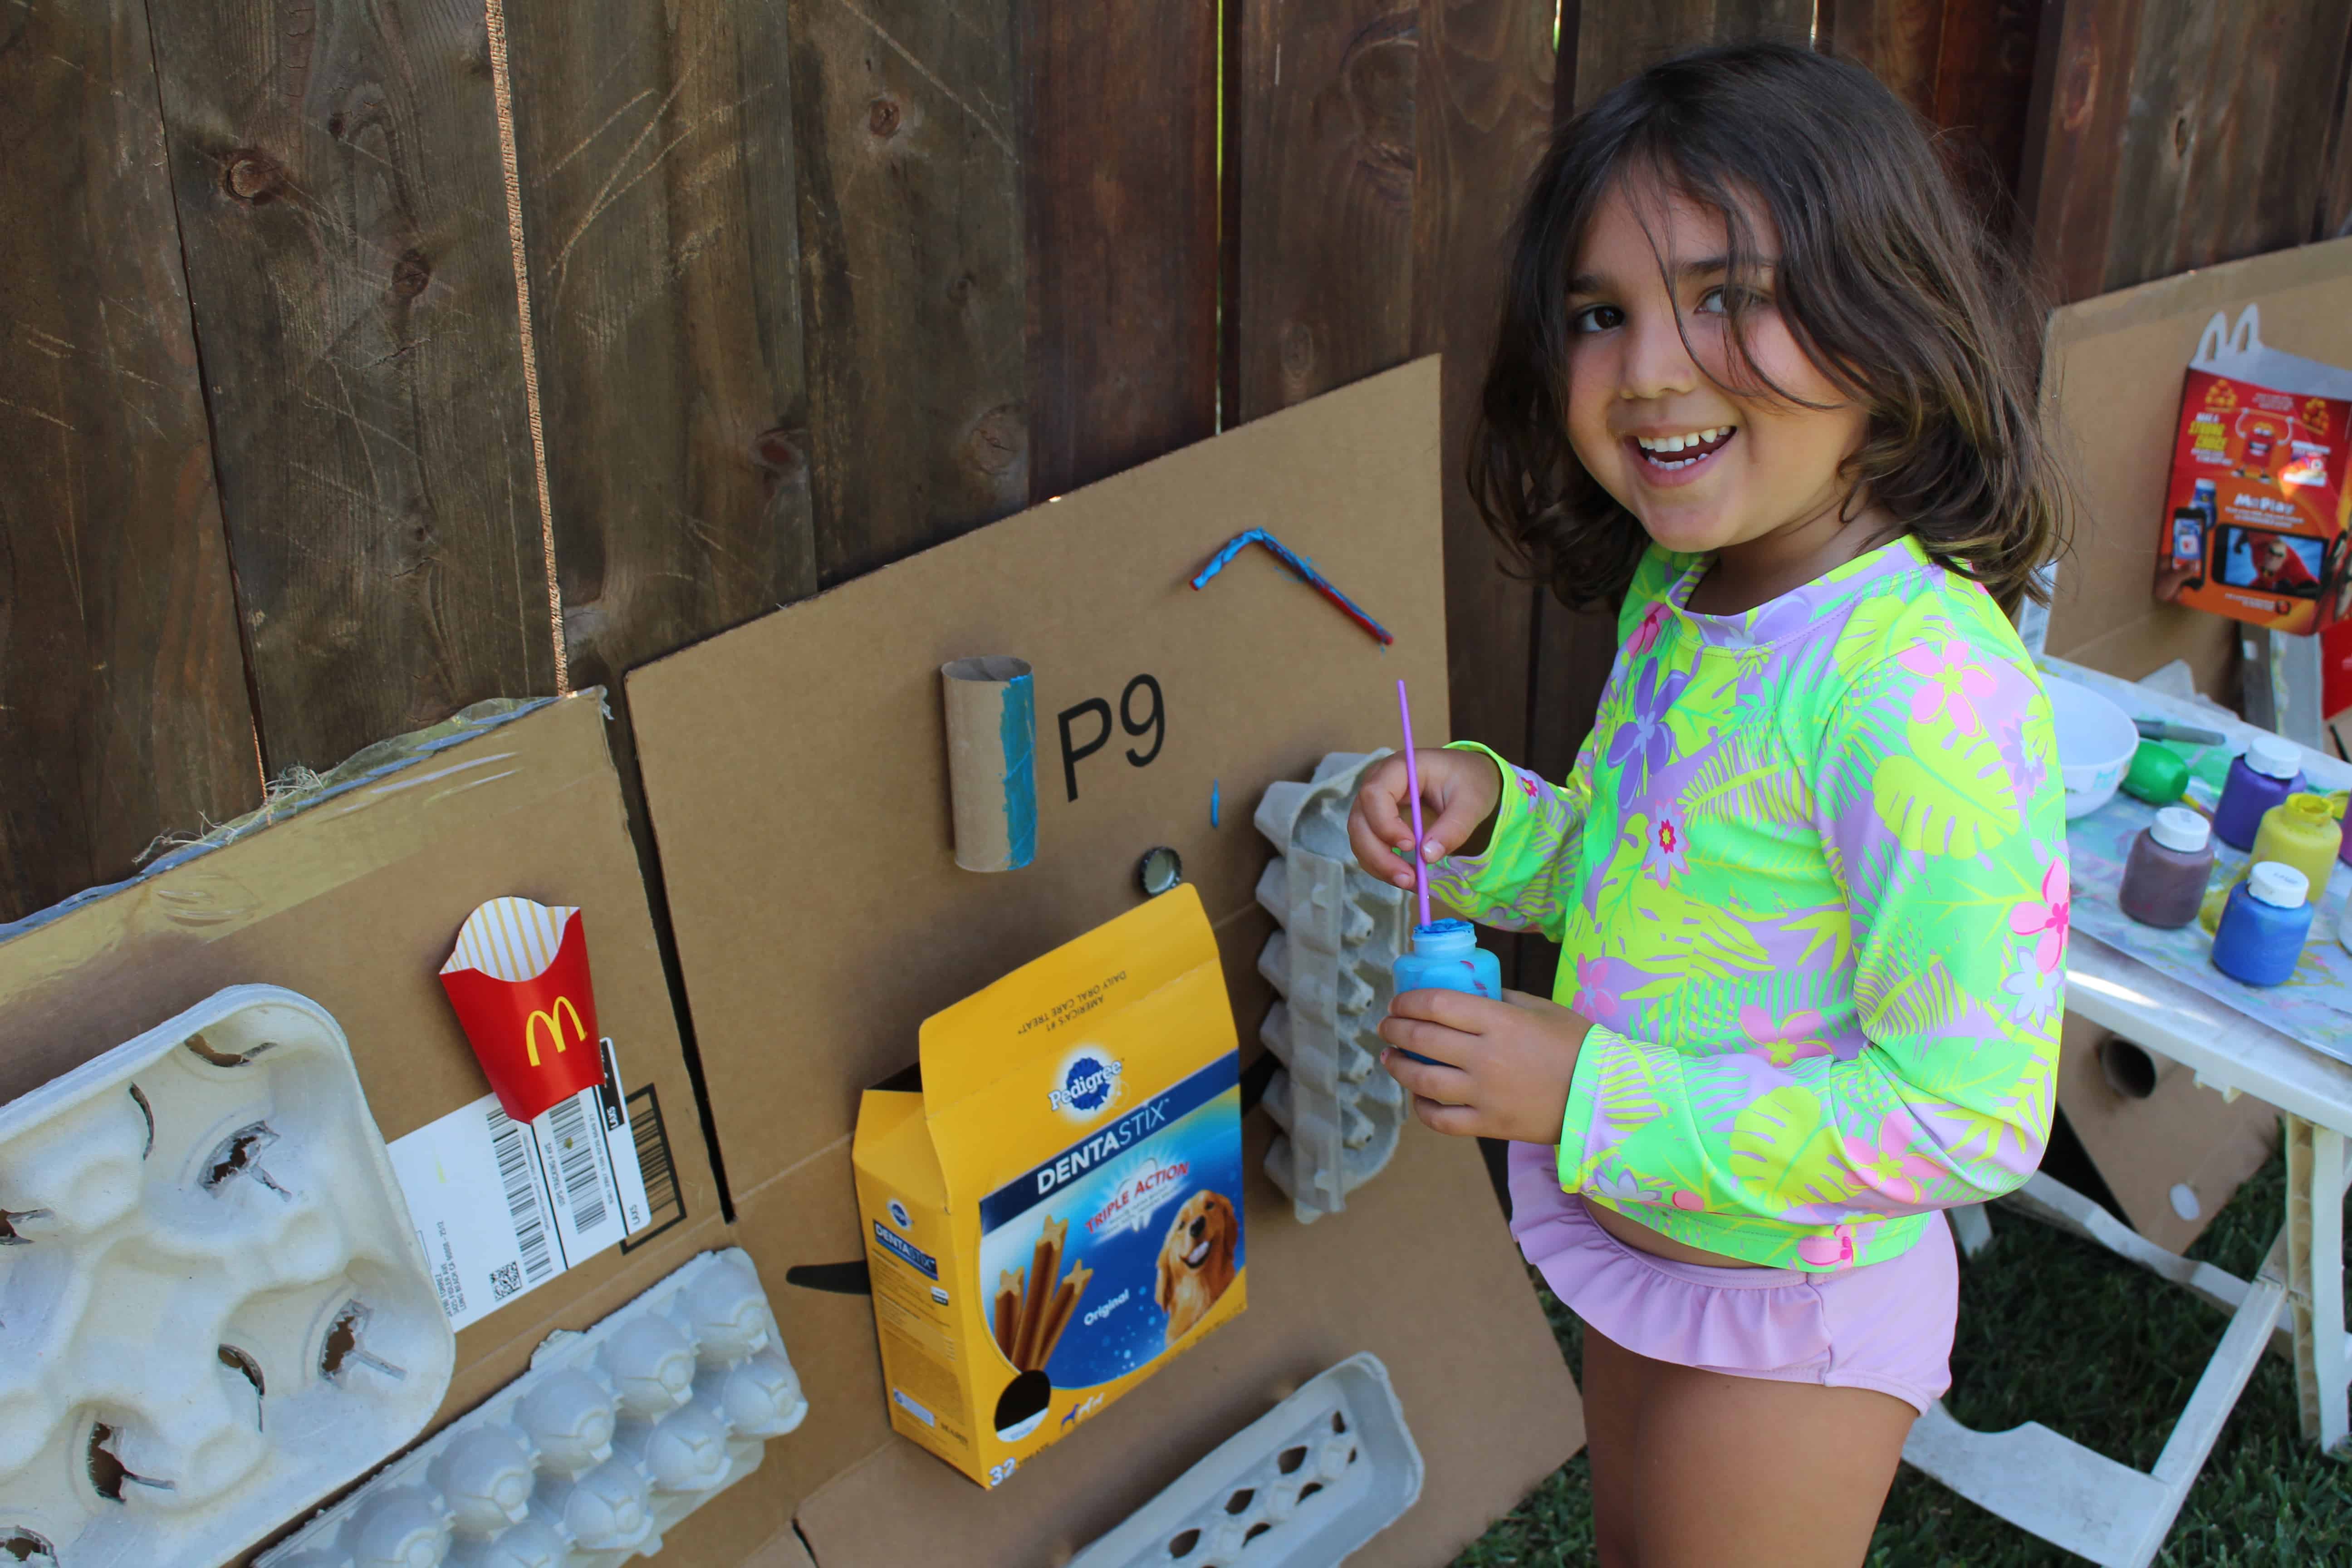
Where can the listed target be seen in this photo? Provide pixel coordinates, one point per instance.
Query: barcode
(665, 1203)
(577, 1158)
(522, 1199)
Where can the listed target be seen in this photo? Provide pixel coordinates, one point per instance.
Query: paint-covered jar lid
(2282, 887)
(2274, 756)
(2178, 828)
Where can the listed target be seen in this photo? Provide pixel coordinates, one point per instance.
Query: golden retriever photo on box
(1196, 1261)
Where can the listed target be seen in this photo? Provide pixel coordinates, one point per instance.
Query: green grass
(2057, 1331)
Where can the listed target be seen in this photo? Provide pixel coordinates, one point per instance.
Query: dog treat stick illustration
(1058, 1316)
(1044, 1268)
(1008, 1310)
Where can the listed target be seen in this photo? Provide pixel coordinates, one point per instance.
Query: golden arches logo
(550, 1017)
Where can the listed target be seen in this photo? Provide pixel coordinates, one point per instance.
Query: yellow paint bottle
(2301, 831)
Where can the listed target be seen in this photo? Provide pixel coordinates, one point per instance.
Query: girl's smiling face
(1686, 438)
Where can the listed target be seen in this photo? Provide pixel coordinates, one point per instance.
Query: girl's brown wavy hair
(1885, 276)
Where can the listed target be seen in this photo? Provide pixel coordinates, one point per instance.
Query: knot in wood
(777, 451)
(253, 176)
(882, 116)
(410, 274)
(1297, 351)
(996, 442)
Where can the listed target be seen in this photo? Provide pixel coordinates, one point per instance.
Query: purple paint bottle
(2264, 925)
(1446, 956)
(2164, 879)
(2271, 770)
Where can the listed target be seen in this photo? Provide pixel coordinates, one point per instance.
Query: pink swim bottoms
(1886, 1326)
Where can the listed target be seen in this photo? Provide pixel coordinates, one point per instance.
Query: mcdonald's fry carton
(519, 980)
(1057, 1209)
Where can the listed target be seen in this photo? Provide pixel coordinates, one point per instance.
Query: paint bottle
(1446, 956)
(2264, 926)
(2301, 832)
(2269, 772)
(2158, 775)
(2170, 862)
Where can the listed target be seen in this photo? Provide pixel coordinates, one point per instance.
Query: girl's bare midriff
(1641, 1238)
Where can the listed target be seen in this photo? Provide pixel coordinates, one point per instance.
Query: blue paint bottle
(2264, 925)
(1446, 956)
(2270, 771)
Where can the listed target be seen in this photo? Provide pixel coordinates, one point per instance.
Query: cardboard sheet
(795, 770)
(2112, 372)
(355, 903)
(1420, 1270)
(2179, 1135)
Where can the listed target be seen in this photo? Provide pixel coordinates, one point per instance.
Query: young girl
(1759, 376)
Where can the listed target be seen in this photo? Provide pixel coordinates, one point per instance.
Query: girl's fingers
(1433, 1078)
(1374, 856)
(1454, 1120)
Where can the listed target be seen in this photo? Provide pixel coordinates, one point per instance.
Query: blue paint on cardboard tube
(1017, 730)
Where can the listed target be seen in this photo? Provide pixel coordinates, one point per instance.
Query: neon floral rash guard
(1809, 878)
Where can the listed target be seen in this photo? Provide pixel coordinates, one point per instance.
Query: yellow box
(1057, 1209)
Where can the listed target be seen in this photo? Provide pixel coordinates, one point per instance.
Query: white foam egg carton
(1331, 962)
(1301, 1486)
(611, 1437)
(213, 1309)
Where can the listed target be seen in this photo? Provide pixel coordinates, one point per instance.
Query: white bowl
(2096, 743)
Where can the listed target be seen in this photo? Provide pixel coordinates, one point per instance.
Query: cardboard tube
(992, 723)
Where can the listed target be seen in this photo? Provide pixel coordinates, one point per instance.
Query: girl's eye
(1596, 318)
(1725, 300)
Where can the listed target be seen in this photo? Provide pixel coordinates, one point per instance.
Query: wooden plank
(2334, 219)
(1616, 38)
(2074, 139)
(337, 172)
(1484, 117)
(1325, 160)
(2223, 148)
(654, 147)
(1966, 67)
(913, 281)
(1119, 163)
(122, 699)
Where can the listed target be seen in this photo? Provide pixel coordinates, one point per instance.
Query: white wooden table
(2081, 1500)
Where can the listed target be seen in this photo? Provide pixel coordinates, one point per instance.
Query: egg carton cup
(1331, 964)
(1301, 1486)
(214, 1308)
(586, 1460)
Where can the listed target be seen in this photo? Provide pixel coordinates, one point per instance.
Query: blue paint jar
(1446, 956)
(2271, 770)
(2264, 925)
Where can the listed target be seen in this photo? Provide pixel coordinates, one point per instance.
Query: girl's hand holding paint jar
(1464, 787)
(1481, 1068)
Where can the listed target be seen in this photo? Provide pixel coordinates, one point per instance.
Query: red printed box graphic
(519, 980)
(2256, 515)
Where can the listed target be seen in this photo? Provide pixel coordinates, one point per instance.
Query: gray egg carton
(1341, 932)
(1301, 1486)
(213, 1309)
(611, 1437)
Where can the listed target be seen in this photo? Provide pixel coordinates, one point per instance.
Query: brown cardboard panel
(785, 1552)
(796, 768)
(808, 1216)
(2112, 370)
(2181, 1134)
(356, 903)
(1419, 1269)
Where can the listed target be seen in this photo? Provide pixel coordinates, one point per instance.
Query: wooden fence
(359, 361)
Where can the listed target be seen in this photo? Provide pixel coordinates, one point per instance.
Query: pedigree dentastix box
(1057, 1209)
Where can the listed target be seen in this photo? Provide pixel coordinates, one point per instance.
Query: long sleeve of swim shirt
(1809, 879)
